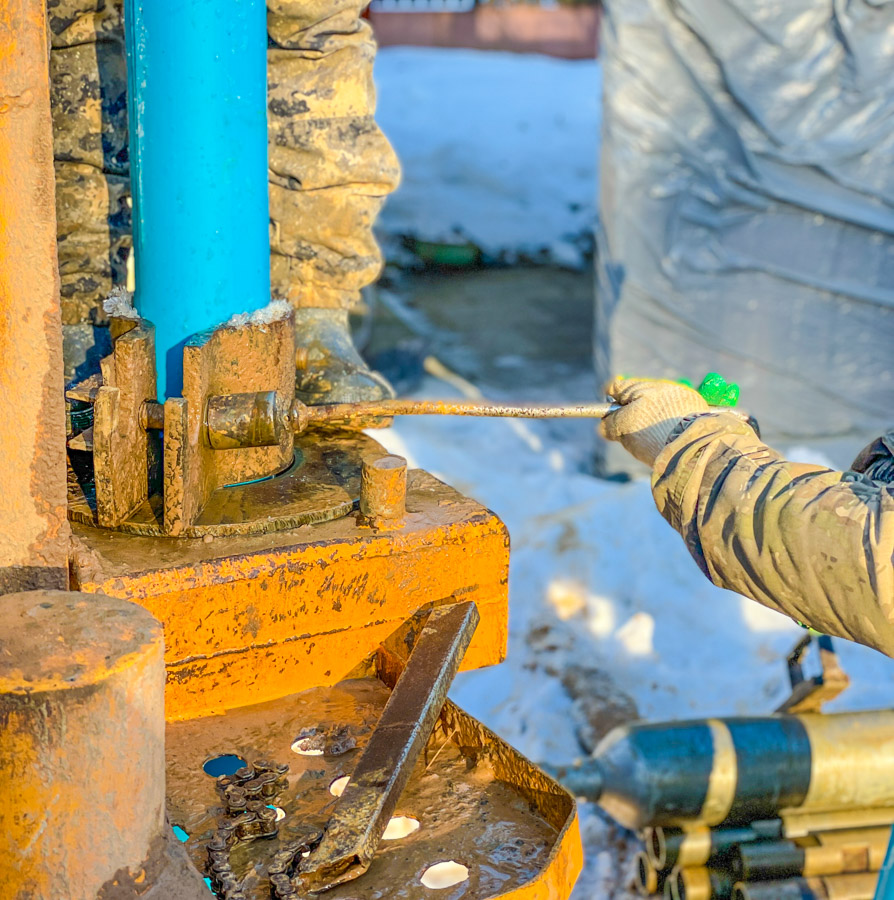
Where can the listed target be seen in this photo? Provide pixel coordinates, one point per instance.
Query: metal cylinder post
(82, 764)
(33, 508)
(383, 490)
(197, 101)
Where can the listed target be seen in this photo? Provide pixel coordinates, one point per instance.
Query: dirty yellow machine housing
(258, 626)
(252, 618)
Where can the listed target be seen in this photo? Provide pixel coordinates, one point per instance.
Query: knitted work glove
(650, 412)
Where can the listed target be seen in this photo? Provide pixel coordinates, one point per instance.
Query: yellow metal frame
(249, 619)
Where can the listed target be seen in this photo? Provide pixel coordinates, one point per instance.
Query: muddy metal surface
(464, 813)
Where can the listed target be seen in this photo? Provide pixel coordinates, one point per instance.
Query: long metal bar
(335, 412)
(362, 812)
(33, 506)
(253, 419)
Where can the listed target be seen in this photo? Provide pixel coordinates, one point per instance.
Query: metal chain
(247, 817)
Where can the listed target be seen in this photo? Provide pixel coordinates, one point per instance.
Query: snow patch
(497, 149)
(444, 875)
(636, 634)
(337, 788)
(119, 304)
(266, 315)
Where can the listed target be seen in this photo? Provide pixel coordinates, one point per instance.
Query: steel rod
(386, 408)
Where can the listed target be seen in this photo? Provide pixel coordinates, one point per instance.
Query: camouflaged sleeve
(88, 86)
(809, 542)
(330, 165)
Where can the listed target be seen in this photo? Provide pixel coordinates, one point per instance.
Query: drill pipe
(734, 771)
(700, 846)
(698, 883)
(798, 824)
(785, 859)
(833, 887)
(646, 878)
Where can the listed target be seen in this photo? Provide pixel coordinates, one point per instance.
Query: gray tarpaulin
(747, 207)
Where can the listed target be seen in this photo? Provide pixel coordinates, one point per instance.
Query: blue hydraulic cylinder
(197, 104)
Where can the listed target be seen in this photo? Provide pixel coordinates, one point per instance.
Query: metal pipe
(834, 887)
(197, 106)
(700, 846)
(797, 824)
(785, 859)
(699, 883)
(33, 508)
(733, 771)
(646, 878)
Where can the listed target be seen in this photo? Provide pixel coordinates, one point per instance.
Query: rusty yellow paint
(81, 742)
(249, 618)
(257, 674)
(34, 541)
(557, 878)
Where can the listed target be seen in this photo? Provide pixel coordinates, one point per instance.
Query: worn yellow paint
(556, 880)
(81, 742)
(253, 618)
(34, 541)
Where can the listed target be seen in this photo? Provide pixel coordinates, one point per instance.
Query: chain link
(248, 816)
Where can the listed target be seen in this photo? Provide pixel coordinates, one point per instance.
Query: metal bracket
(809, 694)
(117, 439)
(200, 490)
(356, 826)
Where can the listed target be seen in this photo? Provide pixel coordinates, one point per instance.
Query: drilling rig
(224, 657)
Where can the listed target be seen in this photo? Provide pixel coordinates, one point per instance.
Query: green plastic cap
(717, 391)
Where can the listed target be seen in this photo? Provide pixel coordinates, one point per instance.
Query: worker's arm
(810, 542)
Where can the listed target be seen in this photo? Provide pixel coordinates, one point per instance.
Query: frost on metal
(272, 312)
(119, 303)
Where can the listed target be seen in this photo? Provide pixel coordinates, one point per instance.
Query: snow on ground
(599, 580)
(501, 150)
(498, 149)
